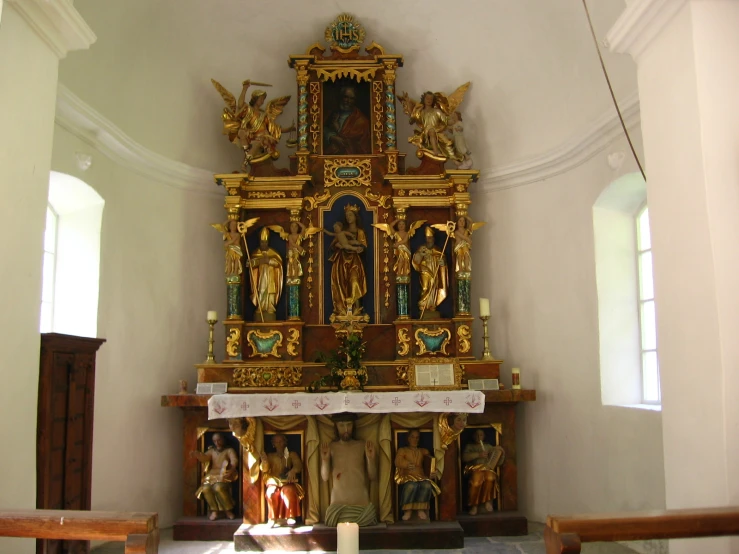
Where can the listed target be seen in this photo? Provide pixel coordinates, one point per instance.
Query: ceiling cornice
(58, 23)
(569, 155)
(640, 23)
(93, 128)
(90, 126)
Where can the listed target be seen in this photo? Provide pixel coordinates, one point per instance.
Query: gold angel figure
(248, 126)
(232, 231)
(462, 235)
(431, 117)
(298, 233)
(398, 232)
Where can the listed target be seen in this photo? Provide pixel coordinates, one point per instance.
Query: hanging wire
(610, 88)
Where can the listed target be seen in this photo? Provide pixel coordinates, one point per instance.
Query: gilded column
(294, 277)
(302, 76)
(234, 280)
(390, 121)
(462, 261)
(402, 284)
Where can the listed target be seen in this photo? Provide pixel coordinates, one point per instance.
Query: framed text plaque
(434, 374)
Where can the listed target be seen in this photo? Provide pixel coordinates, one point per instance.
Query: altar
(349, 325)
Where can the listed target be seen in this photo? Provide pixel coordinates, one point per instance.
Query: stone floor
(530, 544)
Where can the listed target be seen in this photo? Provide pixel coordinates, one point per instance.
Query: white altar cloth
(304, 403)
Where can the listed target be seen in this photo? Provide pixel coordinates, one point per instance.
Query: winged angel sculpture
(233, 232)
(248, 126)
(298, 233)
(433, 116)
(397, 231)
(462, 235)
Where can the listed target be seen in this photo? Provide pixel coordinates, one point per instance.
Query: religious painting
(480, 456)
(204, 443)
(422, 496)
(346, 118)
(283, 488)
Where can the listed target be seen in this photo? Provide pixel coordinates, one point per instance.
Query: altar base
(201, 529)
(495, 524)
(403, 536)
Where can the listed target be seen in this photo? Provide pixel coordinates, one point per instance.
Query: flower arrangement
(346, 371)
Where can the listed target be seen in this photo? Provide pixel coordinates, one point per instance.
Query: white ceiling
(536, 80)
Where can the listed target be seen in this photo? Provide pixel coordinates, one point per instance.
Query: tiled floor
(530, 544)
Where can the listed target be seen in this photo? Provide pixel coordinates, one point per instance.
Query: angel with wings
(232, 231)
(431, 117)
(398, 232)
(462, 234)
(298, 233)
(247, 125)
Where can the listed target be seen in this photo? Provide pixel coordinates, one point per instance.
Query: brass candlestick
(210, 359)
(486, 355)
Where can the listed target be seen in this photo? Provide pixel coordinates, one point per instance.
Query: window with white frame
(629, 374)
(647, 319)
(71, 271)
(49, 270)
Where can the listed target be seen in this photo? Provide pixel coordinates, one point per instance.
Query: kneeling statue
(348, 463)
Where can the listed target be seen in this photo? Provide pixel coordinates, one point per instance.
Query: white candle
(347, 538)
(484, 307)
(212, 315)
(516, 378)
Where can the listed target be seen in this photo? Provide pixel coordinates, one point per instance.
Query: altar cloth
(305, 403)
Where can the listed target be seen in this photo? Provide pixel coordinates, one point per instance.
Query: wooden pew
(139, 530)
(564, 534)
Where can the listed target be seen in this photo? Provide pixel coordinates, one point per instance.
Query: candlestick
(484, 307)
(486, 355)
(212, 319)
(347, 538)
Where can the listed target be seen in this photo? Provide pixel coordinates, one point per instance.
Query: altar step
(411, 536)
(396, 536)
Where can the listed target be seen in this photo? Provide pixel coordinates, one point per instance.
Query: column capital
(58, 23)
(640, 23)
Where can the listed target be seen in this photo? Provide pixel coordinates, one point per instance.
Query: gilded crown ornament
(351, 208)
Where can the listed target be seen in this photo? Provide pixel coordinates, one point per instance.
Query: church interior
(369, 142)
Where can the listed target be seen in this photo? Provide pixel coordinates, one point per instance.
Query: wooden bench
(564, 534)
(139, 530)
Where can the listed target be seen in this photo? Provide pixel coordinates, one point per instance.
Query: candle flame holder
(486, 355)
(210, 359)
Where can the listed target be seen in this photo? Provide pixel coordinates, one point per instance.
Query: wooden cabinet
(64, 435)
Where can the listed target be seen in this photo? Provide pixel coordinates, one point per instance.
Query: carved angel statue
(232, 231)
(298, 233)
(431, 117)
(462, 235)
(248, 126)
(398, 232)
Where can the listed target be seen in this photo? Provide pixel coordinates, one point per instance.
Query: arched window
(623, 267)
(71, 271)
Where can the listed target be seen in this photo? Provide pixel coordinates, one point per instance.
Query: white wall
(27, 98)
(535, 260)
(160, 271)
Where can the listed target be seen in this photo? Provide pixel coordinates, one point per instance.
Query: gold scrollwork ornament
(232, 342)
(257, 341)
(464, 337)
(422, 346)
(267, 376)
(404, 342)
(292, 342)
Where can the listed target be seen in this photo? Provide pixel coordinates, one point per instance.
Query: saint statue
(266, 278)
(255, 130)
(220, 470)
(348, 464)
(429, 262)
(481, 460)
(416, 487)
(348, 278)
(431, 117)
(280, 470)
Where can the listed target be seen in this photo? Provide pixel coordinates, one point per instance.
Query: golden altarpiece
(350, 240)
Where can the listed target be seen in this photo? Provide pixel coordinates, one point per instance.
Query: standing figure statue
(221, 469)
(266, 278)
(231, 245)
(283, 492)
(246, 125)
(298, 233)
(417, 488)
(398, 232)
(462, 234)
(431, 118)
(348, 464)
(456, 130)
(348, 277)
(481, 460)
(430, 263)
